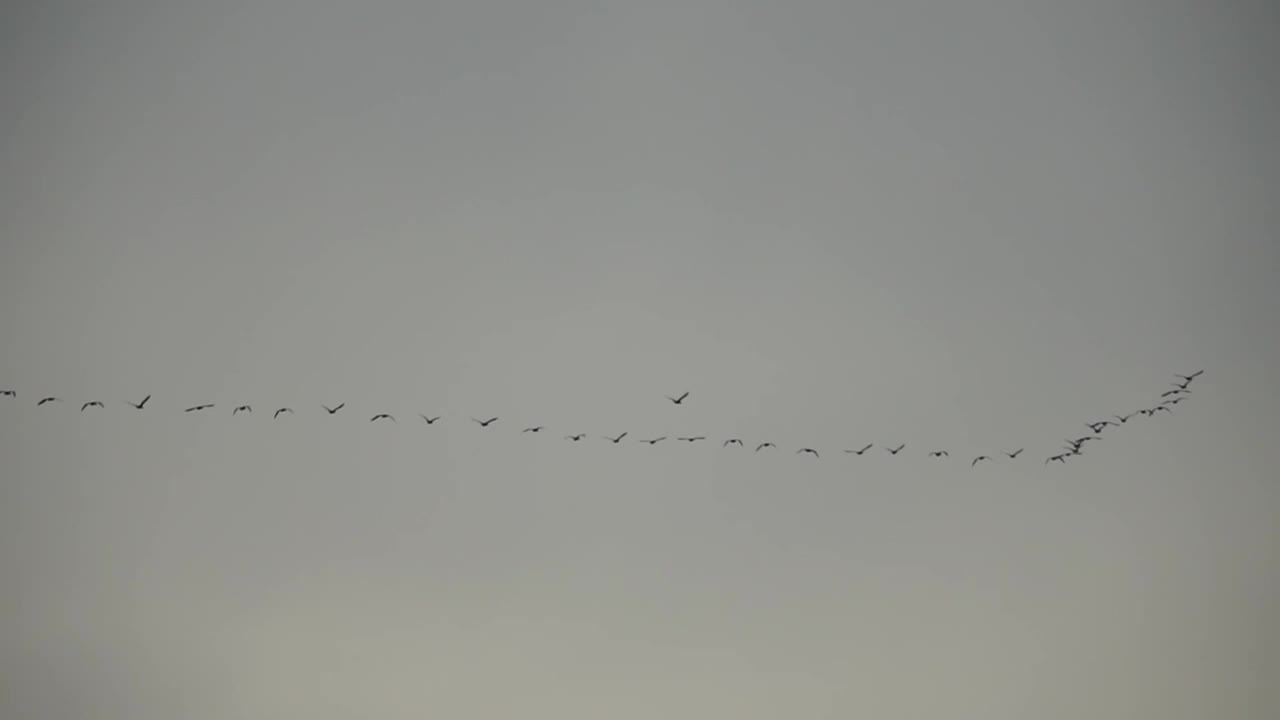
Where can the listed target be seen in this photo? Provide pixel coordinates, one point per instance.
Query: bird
(428, 420)
(332, 410)
(1190, 377)
(485, 423)
(1182, 385)
(1097, 427)
(1082, 440)
(895, 451)
(198, 408)
(381, 416)
(244, 408)
(1014, 454)
(282, 410)
(939, 453)
(139, 406)
(1158, 408)
(655, 441)
(536, 428)
(575, 438)
(1059, 458)
(865, 448)
(615, 440)
(692, 439)
(1147, 412)
(1073, 450)
(93, 403)
(765, 445)
(1173, 401)
(48, 400)
(732, 441)
(1124, 418)
(979, 459)
(811, 451)
(1175, 392)
(678, 400)
(8, 393)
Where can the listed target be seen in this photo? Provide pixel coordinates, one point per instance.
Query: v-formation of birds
(1073, 446)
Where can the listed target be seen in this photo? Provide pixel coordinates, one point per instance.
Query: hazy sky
(965, 225)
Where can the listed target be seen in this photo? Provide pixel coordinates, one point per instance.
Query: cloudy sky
(964, 225)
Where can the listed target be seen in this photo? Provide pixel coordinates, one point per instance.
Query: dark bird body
(979, 459)
(48, 400)
(865, 448)
(282, 410)
(692, 439)
(534, 429)
(895, 451)
(139, 406)
(615, 440)
(679, 400)
(241, 408)
(655, 441)
(485, 423)
(575, 438)
(8, 393)
(732, 441)
(94, 403)
(332, 410)
(428, 420)
(765, 445)
(939, 453)
(811, 451)
(382, 416)
(198, 408)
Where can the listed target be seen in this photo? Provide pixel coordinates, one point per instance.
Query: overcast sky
(969, 226)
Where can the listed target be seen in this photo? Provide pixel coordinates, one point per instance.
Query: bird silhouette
(1098, 427)
(332, 410)
(939, 453)
(693, 439)
(1056, 458)
(241, 408)
(732, 441)
(979, 459)
(1014, 454)
(1190, 377)
(1082, 440)
(537, 428)
(865, 448)
(765, 445)
(8, 393)
(1073, 450)
(382, 416)
(1182, 385)
(655, 441)
(282, 410)
(198, 408)
(811, 451)
(428, 420)
(1124, 418)
(1158, 408)
(615, 440)
(140, 405)
(485, 423)
(93, 403)
(48, 400)
(678, 400)
(1173, 401)
(895, 451)
(575, 438)
(1175, 392)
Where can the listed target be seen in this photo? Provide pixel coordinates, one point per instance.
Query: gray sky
(967, 225)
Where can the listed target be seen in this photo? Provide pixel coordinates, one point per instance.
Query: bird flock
(1072, 447)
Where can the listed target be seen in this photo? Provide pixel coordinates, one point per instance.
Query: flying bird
(93, 403)
(575, 438)
(381, 416)
(139, 406)
(979, 459)
(1175, 392)
(8, 393)
(765, 445)
(655, 441)
(332, 410)
(732, 441)
(1097, 427)
(678, 400)
(692, 439)
(615, 440)
(48, 400)
(811, 451)
(537, 428)
(895, 451)
(198, 408)
(1190, 377)
(428, 420)
(939, 453)
(244, 408)
(1158, 408)
(1058, 458)
(282, 410)
(1124, 418)
(865, 448)
(1014, 454)
(485, 423)
(1082, 440)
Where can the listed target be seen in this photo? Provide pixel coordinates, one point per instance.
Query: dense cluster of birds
(1073, 447)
